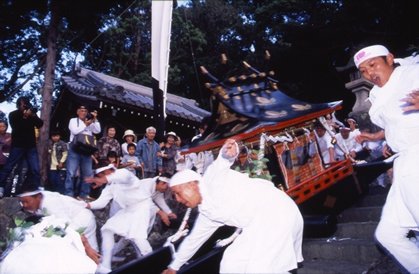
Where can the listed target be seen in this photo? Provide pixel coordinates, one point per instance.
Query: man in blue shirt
(149, 154)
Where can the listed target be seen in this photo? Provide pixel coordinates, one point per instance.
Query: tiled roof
(96, 86)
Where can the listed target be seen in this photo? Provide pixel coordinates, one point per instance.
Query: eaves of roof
(96, 86)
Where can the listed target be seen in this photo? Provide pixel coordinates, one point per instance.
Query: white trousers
(401, 214)
(108, 243)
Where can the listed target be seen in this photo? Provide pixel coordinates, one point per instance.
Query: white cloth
(196, 137)
(401, 211)
(74, 212)
(157, 197)
(368, 53)
(272, 231)
(180, 165)
(401, 129)
(205, 158)
(410, 60)
(132, 212)
(134, 203)
(55, 254)
(134, 200)
(324, 142)
(191, 160)
(77, 126)
(376, 147)
(348, 145)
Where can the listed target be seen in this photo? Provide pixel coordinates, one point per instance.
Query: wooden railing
(337, 171)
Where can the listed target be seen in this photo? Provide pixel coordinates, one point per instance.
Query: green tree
(124, 48)
(29, 55)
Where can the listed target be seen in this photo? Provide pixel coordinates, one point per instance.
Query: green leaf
(265, 160)
(81, 230)
(11, 235)
(18, 221)
(2, 244)
(27, 224)
(50, 232)
(59, 233)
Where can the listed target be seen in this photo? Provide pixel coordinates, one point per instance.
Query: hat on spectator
(171, 134)
(129, 132)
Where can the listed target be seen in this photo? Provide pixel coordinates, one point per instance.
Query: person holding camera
(86, 123)
(23, 122)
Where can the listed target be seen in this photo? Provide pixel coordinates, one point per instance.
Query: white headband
(163, 179)
(31, 193)
(351, 119)
(184, 176)
(102, 169)
(344, 128)
(368, 53)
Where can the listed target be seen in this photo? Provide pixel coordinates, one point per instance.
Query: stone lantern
(361, 88)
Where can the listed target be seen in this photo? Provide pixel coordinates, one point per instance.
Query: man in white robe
(272, 224)
(393, 86)
(44, 203)
(346, 144)
(133, 211)
(324, 140)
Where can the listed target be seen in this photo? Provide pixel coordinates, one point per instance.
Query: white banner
(161, 23)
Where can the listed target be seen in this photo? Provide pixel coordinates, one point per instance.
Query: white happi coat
(376, 147)
(272, 224)
(348, 145)
(133, 209)
(325, 143)
(73, 211)
(402, 135)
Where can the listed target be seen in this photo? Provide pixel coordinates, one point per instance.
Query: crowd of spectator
(68, 166)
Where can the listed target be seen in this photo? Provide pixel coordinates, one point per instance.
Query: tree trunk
(48, 89)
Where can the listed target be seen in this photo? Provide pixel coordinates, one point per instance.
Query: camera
(89, 116)
(30, 107)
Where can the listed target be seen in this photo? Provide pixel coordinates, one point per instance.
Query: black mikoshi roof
(252, 103)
